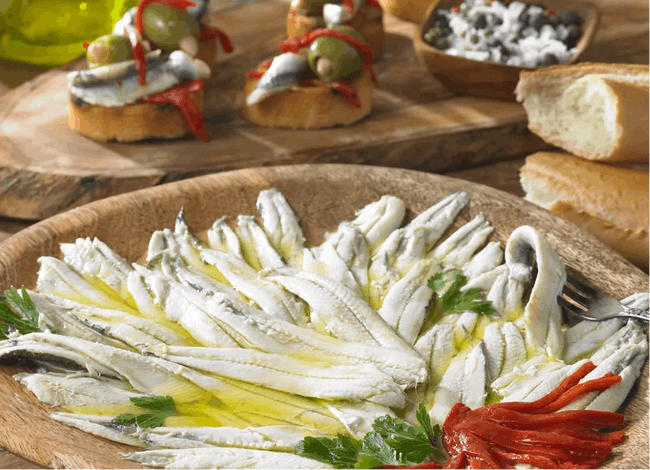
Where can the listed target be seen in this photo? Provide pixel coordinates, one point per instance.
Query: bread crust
(208, 53)
(608, 201)
(130, 123)
(312, 107)
(541, 92)
(368, 22)
(409, 10)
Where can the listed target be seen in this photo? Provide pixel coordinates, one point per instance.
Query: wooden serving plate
(416, 123)
(322, 196)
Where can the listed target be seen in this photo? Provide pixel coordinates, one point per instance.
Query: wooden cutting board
(45, 168)
(322, 196)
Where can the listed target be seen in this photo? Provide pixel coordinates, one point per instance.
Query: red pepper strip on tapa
(179, 96)
(211, 33)
(138, 53)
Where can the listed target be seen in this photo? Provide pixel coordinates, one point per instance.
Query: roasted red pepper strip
(457, 461)
(595, 385)
(346, 90)
(254, 75)
(614, 437)
(585, 418)
(349, 6)
(140, 63)
(179, 96)
(211, 33)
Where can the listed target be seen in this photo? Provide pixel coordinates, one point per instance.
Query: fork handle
(637, 313)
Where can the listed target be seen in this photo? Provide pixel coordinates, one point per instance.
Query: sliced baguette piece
(610, 202)
(595, 111)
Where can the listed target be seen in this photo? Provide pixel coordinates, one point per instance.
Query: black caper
(549, 59)
(473, 39)
(554, 20)
(442, 43)
(498, 21)
(479, 22)
(570, 17)
(524, 18)
(515, 37)
(431, 35)
(538, 21)
(572, 36)
(488, 32)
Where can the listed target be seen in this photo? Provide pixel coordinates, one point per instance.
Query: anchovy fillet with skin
(352, 247)
(101, 426)
(93, 86)
(289, 374)
(506, 295)
(222, 238)
(515, 347)
(458, 249)
(494, 349)
(285, 71)
(464, 326)
(223, 457)
(379, 219)
(612, 398)
(542, 315)
(484, 261)
(256, 247)
(485, 281)
(586, 337)
(437, 347)
(281, 226)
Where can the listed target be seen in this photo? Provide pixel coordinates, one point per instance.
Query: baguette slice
(595, 111)
(610, 202)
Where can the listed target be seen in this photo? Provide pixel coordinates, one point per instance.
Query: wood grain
(322, 196)
(45, 168)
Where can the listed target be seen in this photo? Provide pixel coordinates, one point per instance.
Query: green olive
(165, 26)
(333, 59)
(108, 50)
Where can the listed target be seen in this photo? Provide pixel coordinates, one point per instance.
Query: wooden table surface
(503, 175)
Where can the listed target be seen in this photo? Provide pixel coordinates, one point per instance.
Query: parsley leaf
(455, 301)
(375, 451)
(411, 441)
(19, 311)
(342, 452)
(160, 407)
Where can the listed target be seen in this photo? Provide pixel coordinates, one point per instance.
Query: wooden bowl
(487, 78)
(322, 196)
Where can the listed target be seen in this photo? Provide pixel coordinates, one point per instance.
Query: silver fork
(587, 298)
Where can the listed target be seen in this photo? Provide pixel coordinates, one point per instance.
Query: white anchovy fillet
(337, 13)
(506, 295)
(552, 380)
(223, 457)
(222, 238)
(285, 71)
(271, 298)
(94, 258)
(359, 417)
(526, 382)
(474, 389)
(437, 347)
(379, 219)
(515, 347)
(448, 392)
(325, 260)
(612, 398)
(352, 247)
(461, 245)
(76, 390)
(464, 326)
(282, 438)
(494, 349)
(93, 85)
(486, 280)
(407, 302)
(586, 337)
(506, 378)
(281, 226)
(542, 314)
(57, 278)
(186, 307)
(99, 426)
(343, 305)
(256, 246)
(290, 374)
(484, 261)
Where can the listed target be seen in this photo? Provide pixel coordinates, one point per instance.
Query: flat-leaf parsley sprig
(18, 311)
(453, 300)
(392, 442)
(160, 408)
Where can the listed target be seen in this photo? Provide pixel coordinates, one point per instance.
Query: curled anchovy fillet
(222, 238)
(112, 85)
(223, 457)
(285, 71)
(379, 219)
(289, 374)
(437, 347)
(461, 245)
(494, 349)
(448, 392)
(256, 247)
(336, 303)
(352, 247)
(474, 389)
(515, 347)
(486, 280)
(359, 417)
(101, 426)
(94, 258)
(484, 261)
(407, 302)
(325, 260)
(586, 337)
(281, 226)
(271, 298)
(542, 315)
(74, 390)
(58, 278)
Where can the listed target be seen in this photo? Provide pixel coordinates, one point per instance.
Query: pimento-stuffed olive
(171, 29)
(334, 59)
(109, 49)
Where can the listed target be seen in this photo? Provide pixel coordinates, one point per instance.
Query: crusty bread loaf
(596, 111)
(130, 123)
(309, 107)
(609, 201)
